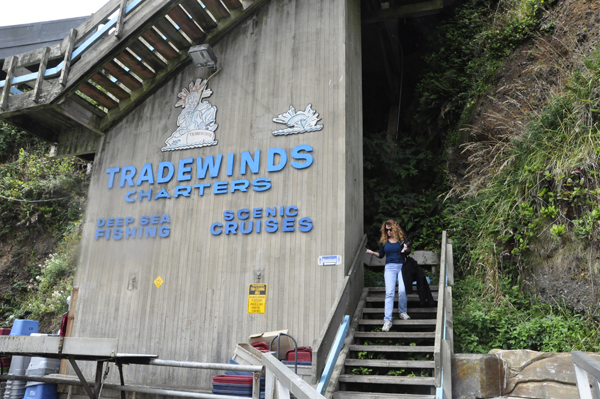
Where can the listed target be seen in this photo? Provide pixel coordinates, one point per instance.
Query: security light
(203, 56)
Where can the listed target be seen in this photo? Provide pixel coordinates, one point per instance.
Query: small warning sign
(158, 282)
(257, 298)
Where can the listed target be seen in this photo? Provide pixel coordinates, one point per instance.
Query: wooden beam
(24, 122)
(186, 24)
(161, 45)
(123, 76)
(216, 9)
(81, 112)
(35, 56)
(40, 78)
(11, 63)
(93, 21)
(142, 51)
(232, 4)
(121, 20)
(199, 14)
(98, 95)
(409, 10)
(172, 34)
(110, 86)
(67, 61)
(135, 65)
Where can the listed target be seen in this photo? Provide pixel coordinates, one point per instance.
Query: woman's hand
(370, 252)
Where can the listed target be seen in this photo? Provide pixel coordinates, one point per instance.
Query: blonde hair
(397, 232)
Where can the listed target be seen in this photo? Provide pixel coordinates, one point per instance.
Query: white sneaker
(404, 316)
(386, 326)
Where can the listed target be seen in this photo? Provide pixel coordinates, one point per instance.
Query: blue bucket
(24, 327)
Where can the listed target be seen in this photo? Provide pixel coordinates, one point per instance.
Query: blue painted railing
(334, 353)
(52, 72)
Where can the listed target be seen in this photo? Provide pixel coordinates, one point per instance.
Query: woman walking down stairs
(394, 364)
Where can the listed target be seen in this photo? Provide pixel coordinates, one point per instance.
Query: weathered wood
(447, 365)
(450, 262)
(386, 348)
(386, 379)
(90, 24)
(432, 288)
(296, 385)
(81, 111)
(98, 95)
(172, 34)
(11, 63)
(137, 66)
(415, 364)
(393, 334)
(159, 44)
(186, 24)
(411, 297)
(411, 310)
(67, 60)
(121, 20)
(123, 76)
(142, 51)
(232, 4)
(411, 322)
(216, 9)
(199, 14)
(110, 86)
(439, 327)
(35, 56)
(372, 395)
(40, 78)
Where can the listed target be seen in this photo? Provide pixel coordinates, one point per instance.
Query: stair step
(411, 310)
(413, 364)
(391, 348)
(410, 297)
(373, 395)
(394, 334)
(411, 322)
(382, 289)
(386, 379)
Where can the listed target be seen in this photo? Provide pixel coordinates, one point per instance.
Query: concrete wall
(293, 52)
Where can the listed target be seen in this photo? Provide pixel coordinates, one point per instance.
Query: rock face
(531, 374)
(514, 374)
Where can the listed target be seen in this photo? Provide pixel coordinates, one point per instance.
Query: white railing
(587, 372)
(444, 336)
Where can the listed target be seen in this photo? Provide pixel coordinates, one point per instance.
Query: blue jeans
(393, 273)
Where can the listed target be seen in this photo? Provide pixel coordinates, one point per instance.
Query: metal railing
(444, 336)
(587, 372)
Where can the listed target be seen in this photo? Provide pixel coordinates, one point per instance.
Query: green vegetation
(41, 204)
(534, 185)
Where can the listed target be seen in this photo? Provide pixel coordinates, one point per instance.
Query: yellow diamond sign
(158, 282)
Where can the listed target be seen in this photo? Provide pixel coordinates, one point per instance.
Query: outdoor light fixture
(203, 56)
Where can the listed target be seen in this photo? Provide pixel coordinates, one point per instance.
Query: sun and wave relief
(298, 122)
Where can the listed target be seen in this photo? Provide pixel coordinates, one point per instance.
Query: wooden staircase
(394, 364)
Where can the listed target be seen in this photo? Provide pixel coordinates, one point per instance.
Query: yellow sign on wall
(257, 298)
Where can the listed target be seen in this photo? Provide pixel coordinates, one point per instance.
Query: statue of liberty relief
(196, 123)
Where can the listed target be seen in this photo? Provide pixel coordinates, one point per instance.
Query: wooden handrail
(282, 380)
(586, 367)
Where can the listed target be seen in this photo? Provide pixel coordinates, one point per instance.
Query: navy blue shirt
(392, 253)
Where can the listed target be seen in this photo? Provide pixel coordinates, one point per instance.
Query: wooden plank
(97, 95)
(216, 9)
(439, 328)
(11, 63)
(186, 24)
(172, 34)
(411, 297)
(373, 395)
(49, 346)
(110, 86)
(447, 366)
(77, 109)
(450, 263)
(67, 60)
(232, 4)
(122, 75)
(121, 20)
(159, 44)
(415, 364)
(411, 322)
(142, 51)
(386, 379)
(393, 334)
(40, 78)
(93, 21)
(412, 310)
(432, 288)
(387, 348)
(35, 56)
(199, 15)
(137, 66)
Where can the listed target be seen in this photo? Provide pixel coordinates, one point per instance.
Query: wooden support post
(121, 20)
(67, 61)
(41, 72)
(12, 63)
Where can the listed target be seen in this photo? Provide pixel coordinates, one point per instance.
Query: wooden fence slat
(199, 14)
(186, 24)
(121, 20)
(67, 61)
(110, 86)
(216, 9)
(232, 4)
(41, 72)
(10, 74)
(98, 95)
(174, 36)
(135, 65)
(148, 56)
(159, 44)
(122, 75)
